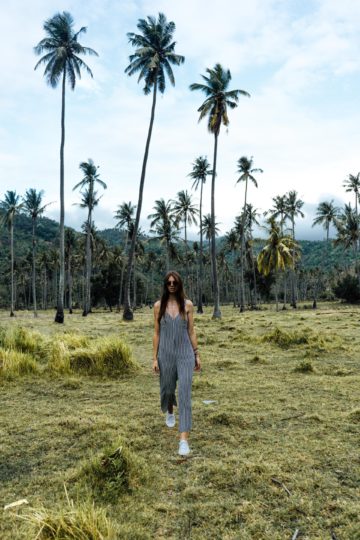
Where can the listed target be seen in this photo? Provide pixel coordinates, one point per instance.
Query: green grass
(276, 451)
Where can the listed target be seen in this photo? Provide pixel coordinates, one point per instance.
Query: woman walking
(175, 354)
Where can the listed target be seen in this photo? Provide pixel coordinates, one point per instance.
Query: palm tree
(62, 61)
(70, 245)
(218, 99)
(152, 59)
(352, 183)
(11, 206)
(164, 224)
(89, 201)
(33, 208)
(184, 210)
(231, 245)
(125, 218)
(277, 254)
(201, 169)
(251, 219)
(293, 210)
(279, 210)
(207, 228)
(348, 232)
(246, 170)
(326, 215)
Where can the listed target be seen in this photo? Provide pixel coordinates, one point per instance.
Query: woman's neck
(172, 298)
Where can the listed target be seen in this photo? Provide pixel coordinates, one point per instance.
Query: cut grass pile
(24, 351)
(274, 441)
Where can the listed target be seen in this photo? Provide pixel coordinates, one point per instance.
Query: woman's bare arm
(156, 337)
(192, 334)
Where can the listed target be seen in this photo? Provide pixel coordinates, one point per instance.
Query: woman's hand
(155, 366)
(197, 362)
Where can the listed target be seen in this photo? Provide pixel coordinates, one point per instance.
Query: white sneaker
(184, 449)
(170, 420)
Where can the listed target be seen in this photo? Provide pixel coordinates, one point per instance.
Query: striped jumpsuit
(176, 362)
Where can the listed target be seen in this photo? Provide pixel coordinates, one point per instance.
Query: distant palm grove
(44, 264)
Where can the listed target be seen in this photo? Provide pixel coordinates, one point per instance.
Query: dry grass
(276, 451)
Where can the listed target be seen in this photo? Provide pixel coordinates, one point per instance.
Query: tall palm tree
(124, 216)
(293, 210)
(277, 254)
(279, 210)
(89, 201)
(326, 215)
(207, 228)
(11, 206)
(33, 208)
(164, 224)
(62, 61)
(232, 245)
(185, 211)
(348, 231)
(70, 245)
(246, 171)
(218, 99)
(251, 219)
(352, 183)
(201, 169)
(152, 59)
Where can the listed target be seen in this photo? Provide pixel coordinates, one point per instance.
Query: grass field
(276, 455)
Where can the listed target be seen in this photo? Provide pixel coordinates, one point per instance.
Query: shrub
(23, 340)
(83, 522)
(305, 367)
(15, 363)
(348, 289)
(111, 474)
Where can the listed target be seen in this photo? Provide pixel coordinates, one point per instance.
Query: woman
(175, 354)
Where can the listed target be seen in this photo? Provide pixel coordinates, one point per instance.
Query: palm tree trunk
(87, 297)
(70, 284)
(59, 317)
(242, 257)
(201, 269)
(186, 255)
(217, 312)
(12, 268)
(122, 270)
(128, 314)
(33, 269)
(293, 292)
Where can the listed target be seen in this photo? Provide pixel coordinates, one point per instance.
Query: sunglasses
(171, 283)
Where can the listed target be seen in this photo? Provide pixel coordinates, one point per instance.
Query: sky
(299, 60)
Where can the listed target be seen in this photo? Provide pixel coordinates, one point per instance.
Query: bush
(16, 364)
(348, 289)
(108, 476)
(83, 522)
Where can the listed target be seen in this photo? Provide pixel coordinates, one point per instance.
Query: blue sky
(299, 61)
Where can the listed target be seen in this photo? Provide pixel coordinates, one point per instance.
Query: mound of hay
(16, 364)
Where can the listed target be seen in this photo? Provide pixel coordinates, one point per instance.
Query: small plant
(305, 367)
(16, 364)
(82, 522)
(111, 474)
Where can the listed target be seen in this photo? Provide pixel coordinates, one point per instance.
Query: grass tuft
(83, 522)
(305, 367)
(305, 336)
(354, 416)
(106, 356)
(23, 340)
(111, 474)
(16, 364)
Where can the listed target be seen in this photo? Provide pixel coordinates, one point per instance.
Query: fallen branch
(276, 481)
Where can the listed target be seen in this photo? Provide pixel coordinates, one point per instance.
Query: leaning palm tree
(11, 206)
(33, 208)
(185, 211)
(277, 254)
(91, 177)
(124, 216)
(201, 169)
(218, 99)
(293, 210)
(152, 59)
(62, 60)
(246, 170)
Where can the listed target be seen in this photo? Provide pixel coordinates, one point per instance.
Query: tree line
(152, 60)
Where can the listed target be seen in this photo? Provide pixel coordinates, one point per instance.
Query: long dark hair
(180, 295)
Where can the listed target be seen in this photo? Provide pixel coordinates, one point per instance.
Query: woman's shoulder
(157, 304)
(188, 304)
